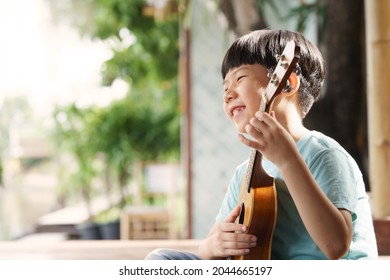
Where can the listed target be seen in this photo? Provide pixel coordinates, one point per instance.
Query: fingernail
(243, 228)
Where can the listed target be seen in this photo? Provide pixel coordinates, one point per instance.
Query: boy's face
(243, 87)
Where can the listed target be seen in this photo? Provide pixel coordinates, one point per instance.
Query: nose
(229, 95)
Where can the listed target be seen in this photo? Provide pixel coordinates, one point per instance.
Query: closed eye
(240, 77)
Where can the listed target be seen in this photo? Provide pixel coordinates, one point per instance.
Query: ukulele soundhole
(242, 214)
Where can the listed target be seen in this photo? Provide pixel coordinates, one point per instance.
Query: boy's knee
(158, 254)
(171, 254)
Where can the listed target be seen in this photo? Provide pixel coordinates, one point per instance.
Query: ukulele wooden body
(258, 213)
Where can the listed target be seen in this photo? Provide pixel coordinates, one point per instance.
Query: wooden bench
(94, 250)
(90, 249)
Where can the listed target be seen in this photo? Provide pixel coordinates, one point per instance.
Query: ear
(292, 86)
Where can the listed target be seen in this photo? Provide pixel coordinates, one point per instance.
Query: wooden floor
(89, 249)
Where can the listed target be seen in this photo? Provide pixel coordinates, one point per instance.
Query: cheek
(225, 109)
(253, 101)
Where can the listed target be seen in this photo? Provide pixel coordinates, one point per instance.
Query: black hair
(263, 46)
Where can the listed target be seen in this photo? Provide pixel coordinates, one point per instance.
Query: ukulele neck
(256, 176)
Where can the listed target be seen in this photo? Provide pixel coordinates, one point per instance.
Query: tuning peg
(297, 69)
(275, 82)
(288, 87)
(284, 64)
(271, 75)
(279, 57)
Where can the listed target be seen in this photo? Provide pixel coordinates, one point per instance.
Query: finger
(232, 228)
(240, 245)
(258, 143)
(239, 238)
(265, 118)
(270, 126)
(233, 214)
(236, 252)
(237, 248)
(249, 143)
(237, 243)
(256, 129)
(258, 123)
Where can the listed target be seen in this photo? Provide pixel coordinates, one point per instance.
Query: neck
(292, 122)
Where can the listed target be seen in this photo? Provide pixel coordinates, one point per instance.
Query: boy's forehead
(233, 71)
(243, 67)
(239, 68)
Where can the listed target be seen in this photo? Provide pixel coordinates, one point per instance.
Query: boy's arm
(329, 227)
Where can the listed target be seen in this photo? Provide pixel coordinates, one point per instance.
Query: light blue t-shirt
(339, 177)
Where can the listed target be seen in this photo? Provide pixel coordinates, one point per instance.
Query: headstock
(287, 62)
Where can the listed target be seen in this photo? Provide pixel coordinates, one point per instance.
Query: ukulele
(257, 197)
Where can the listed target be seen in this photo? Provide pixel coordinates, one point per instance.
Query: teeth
(237, 110)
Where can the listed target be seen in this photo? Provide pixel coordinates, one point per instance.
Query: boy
(323, 210)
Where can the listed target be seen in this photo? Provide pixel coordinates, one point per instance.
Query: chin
(240, 129)
(240, 124)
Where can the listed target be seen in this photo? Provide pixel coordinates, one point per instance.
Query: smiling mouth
(237, 110)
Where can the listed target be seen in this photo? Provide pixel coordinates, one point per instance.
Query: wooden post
(378, 94)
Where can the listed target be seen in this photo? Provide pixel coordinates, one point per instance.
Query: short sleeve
(335, 172)
(231, 197)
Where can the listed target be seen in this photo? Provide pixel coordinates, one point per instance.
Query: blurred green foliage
(143, 126)
(144, 49)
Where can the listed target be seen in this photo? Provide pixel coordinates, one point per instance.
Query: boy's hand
(271, 139)
(228, 239)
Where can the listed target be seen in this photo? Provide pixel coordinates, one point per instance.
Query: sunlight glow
(49, 64)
